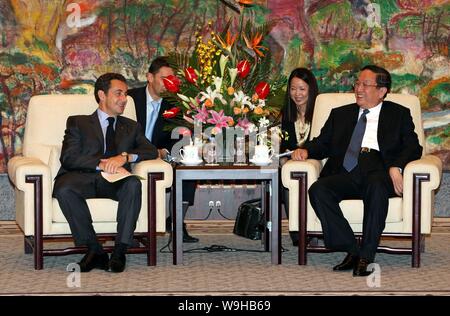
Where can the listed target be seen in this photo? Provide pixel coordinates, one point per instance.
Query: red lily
(190, 75)
(168, 114)
(172, 83)
(243, 68)
(262, 90)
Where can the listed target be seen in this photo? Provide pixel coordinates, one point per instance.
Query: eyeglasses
(363, 84)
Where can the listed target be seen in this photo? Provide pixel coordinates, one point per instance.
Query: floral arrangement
(228, 80)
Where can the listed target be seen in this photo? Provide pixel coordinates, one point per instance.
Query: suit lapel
(141, 106)
(353, 119)
(121, 131)
(383, 124)
(97, 129)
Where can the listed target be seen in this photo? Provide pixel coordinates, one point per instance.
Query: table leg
(177, 226)
(265, 206)
(275, 219)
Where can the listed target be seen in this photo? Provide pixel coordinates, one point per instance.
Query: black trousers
(189, 191)
(73, 188)
(368, 181)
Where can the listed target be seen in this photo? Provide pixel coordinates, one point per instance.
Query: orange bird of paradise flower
(247, 2)
(229, 42)
(254, 44)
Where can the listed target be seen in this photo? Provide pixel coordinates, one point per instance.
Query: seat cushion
(105, 210)
(354, 211)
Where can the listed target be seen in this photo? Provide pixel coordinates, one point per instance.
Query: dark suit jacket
(83, 143)
(396, 137)
(160, 138)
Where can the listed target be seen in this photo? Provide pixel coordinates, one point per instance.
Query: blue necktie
(151, 123)
(109, 139)
(352, 153)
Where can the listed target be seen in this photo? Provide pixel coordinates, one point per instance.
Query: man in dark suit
(102, 141)
(150, 107)
(368, 144)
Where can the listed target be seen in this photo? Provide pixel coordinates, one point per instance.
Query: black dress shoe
(92, 260)
(360, 268)
(348, 263)
(117, 262)
(188, 238)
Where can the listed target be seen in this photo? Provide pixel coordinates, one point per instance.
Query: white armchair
(409, 216)
(39, 215)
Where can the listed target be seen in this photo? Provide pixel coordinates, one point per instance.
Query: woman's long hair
(289, 111)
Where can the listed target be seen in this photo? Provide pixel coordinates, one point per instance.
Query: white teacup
(263, 153)
(189, 153)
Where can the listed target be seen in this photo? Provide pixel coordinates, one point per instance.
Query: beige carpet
(227, 273)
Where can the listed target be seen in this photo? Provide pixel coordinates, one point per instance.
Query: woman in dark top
(296, 120)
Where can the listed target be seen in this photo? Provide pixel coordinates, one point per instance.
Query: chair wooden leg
(418, 178)
(302, 178)
(38, 219)
(152, 177)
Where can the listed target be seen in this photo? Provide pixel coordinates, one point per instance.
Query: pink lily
(219, 119)
(202, 114)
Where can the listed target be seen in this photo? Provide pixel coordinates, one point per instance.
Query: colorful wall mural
(62, 46)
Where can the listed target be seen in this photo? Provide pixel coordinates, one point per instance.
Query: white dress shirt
(370, 139)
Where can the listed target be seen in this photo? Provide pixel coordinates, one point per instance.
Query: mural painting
(62, 46)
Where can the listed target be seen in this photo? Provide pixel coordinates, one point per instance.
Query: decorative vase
(210, 152)
(241, 158)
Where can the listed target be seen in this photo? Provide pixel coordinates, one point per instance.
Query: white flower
(233, 73)
(241, 99)
(261, 103)
(223, 61)
(217, 83)
(212, 95)
(263, 122)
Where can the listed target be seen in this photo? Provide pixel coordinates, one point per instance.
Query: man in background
(149, 109)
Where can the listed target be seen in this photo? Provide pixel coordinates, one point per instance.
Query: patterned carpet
(226, 273)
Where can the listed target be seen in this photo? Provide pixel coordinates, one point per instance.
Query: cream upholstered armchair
(39, 215)
(408, 216)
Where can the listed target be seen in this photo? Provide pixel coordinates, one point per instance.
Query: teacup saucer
(261, 162)
(191, 162)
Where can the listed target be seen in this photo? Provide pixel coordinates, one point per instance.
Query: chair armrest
(142, 169)
(311, 167)
(19, 167)
(428, 165)
(157, 165)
